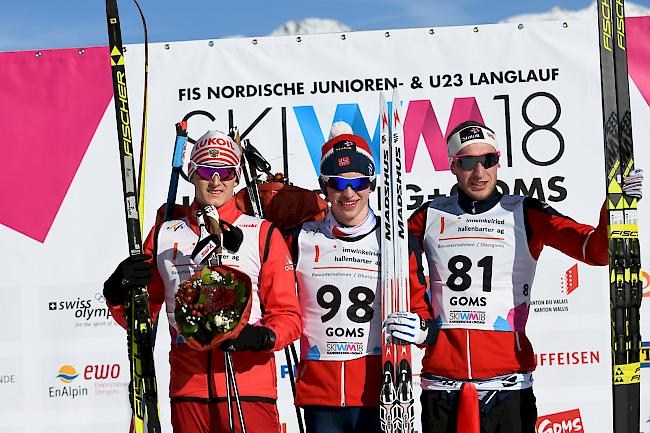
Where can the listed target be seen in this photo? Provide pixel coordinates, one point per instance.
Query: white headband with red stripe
(214, 148)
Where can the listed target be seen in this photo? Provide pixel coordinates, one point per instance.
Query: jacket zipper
(342, 383)
(469, 362)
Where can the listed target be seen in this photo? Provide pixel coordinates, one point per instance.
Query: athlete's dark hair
(465, 124)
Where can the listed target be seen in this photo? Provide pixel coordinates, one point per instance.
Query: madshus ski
(143, 392)
(396, 400)
(624, 249)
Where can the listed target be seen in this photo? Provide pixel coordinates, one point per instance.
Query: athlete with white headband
(197, 385)
(482, 249)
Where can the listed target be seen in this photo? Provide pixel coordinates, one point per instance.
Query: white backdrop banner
(64, 367)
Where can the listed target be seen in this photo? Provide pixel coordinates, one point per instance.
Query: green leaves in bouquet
(240, 291)
(189, 330)
(206, 277)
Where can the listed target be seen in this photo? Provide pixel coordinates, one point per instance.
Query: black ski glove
(231, 236)
(134, 271)
(255, 338)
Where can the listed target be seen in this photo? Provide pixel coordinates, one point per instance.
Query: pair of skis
(396, 400)
(144, 391)
(624, 249)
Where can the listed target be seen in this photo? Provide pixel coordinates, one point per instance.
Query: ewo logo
(104, 378)
(67, 373)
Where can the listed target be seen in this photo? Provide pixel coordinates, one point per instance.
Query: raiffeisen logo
(67, 374)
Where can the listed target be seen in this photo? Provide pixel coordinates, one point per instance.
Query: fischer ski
(144, 393)
(624, 248)
(397, 406)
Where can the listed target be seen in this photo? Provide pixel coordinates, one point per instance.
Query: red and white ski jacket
(465, 348)
(329, 375)
(200, 375)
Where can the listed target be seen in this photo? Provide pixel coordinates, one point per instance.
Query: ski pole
(233, 378)
(177, 167)
(292, 379)
(252, 159)
(231, 419)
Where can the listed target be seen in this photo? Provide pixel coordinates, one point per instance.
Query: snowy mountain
(310, 26)
(588, 13)
(321, 25)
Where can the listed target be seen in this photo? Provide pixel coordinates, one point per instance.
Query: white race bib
(176, 241)
(481, 269)
(339, 293)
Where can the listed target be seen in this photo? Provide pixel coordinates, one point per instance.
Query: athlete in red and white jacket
(482, 249)
(337, 271)
(197, 384)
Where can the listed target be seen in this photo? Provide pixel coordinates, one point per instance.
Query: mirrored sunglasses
(341, 183)
(468, 162)
(207, 172)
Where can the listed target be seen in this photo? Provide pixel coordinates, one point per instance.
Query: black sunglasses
(468, 162)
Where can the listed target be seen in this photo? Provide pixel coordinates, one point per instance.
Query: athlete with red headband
(197, 387)
(483, 364)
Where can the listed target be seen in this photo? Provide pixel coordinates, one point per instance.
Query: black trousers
(327, 419)
(500, 411)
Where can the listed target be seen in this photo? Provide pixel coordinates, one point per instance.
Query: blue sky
(32, 24)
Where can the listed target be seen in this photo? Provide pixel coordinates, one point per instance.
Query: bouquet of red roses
(212, 306)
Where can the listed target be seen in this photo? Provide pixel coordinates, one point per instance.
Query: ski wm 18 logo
(344, 348)
(561, 422)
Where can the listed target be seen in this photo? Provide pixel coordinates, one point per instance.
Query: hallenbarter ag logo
(67, 375)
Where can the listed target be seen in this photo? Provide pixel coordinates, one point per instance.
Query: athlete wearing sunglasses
(489, 359)
(254, 247)
(476, 170)
(213, 184)
(348, 194)
(339, 257)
